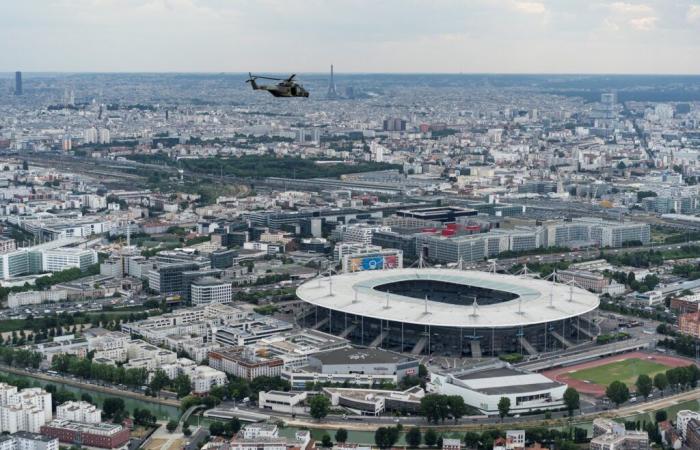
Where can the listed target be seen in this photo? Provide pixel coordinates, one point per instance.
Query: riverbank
(626, 411)
(91, 387)
(332, 423)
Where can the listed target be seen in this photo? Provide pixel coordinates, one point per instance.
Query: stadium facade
(450, 311)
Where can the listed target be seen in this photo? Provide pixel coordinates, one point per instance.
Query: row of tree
(677, 378)
(87, 369)
(19, 357)
(436, 407)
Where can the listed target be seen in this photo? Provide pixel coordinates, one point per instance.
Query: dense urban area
(397, 261)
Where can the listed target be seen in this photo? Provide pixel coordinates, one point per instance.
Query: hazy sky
(513, 36)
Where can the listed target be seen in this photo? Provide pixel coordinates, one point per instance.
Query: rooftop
(350, 355)
(356, 293)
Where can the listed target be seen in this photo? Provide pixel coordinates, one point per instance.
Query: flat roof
(355, 294)
(349, 355)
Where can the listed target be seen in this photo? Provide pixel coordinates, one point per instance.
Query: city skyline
(505, 36)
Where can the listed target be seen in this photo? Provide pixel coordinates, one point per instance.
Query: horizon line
(335, 72)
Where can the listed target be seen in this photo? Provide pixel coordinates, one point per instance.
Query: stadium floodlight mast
(475, 307)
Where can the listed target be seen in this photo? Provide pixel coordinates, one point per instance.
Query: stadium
(449, 312)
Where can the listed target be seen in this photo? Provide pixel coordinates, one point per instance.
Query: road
(89, 384)
(367, 423)
(558, 419)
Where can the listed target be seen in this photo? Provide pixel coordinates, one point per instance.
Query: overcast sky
(508, 36)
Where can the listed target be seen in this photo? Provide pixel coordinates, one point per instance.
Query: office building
(67, 257)
(167, 279)
(206, 290)
(244, 363)
(394, 124)
(222, 258)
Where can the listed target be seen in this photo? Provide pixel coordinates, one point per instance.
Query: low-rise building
(79, 412)
(611, 435)
(482, 388)
(102, 435)
(244, 363)
(593, 282)
(281, 401)
(689, 324)
(24, 440)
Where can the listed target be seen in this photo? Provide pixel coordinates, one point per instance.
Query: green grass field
(626, 371)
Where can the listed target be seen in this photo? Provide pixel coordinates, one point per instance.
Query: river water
(163, 412)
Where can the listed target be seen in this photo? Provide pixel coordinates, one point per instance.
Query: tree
(186, 430)
(216, 429)
(232, 427)
(112, 406)
(503, 407)
(144, 417)
(381, 437)
(471, 439)
(86, 397)
(457, 407)
(319, 406)
(159, 381)
(660, 382)
(430, 438)
(617, 392)
(571, 400)
(182, 385)
(172, 426)
(413, 437)
(326, 441)
(341, 435)
(434, 407)
(660, 415)
(644, 385)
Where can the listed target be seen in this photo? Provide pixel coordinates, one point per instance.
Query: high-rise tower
(18, 83)
(332, 93)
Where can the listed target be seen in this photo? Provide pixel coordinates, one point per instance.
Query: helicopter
(286, 87)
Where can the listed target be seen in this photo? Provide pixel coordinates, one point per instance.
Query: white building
(281, 401)
(208, 290)
(25, 410)
(79, 412)
(483, 389)
(362, 233)
(682, 418)
(65, 258)
(204, 378)
(17, 299)
(24, 440)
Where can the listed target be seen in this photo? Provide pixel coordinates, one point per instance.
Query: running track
(562, 374)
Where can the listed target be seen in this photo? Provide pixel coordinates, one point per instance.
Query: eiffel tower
(332, 93)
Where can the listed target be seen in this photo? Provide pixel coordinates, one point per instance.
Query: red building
(689, 324)
(102, 435)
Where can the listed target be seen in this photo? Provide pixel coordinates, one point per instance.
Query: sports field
(626, 370)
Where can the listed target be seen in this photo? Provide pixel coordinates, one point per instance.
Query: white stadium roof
(355, 293)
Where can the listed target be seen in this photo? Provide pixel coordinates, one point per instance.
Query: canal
(163, 412)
